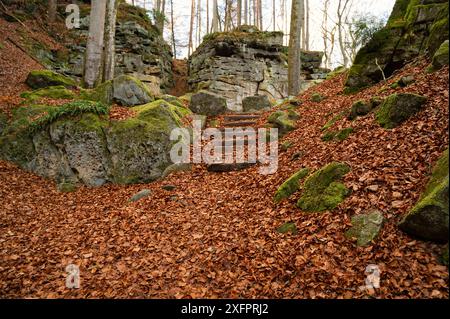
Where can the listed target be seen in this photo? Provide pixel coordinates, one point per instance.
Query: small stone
(365, 228)
(169, 187)
(142, 194)
(288, 228)
(373, 188)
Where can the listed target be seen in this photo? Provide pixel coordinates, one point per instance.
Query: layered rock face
(140, 49)
(415, 27)
(77, 143)
(239, 64)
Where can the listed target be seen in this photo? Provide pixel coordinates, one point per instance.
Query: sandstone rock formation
(77, 143)
(415, 27)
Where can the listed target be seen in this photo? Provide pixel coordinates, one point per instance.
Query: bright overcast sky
(182, 9)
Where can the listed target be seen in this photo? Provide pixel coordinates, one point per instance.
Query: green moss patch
(397, 108)
(290, 186)
(365, 228)
(288, 228)
(429, 217)
(317, 97)
(53, 92)
(44, 78)
(322, 191)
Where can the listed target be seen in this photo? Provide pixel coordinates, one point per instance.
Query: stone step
(222, 129)
(239, 117)
(223, 167)
(240, 123)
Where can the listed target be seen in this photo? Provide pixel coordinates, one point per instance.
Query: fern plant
(69, 109)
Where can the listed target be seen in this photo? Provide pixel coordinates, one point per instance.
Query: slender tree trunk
(239, 13)
(207, 17)
(340, 14)
(245, 12)
(307, 26)
(274, 15)
(191, 29)
(294, 72)
(95, 42)
(302, 20)
(215, 22)
(110, 33)
(172, 23)
(325, 31)
(52, 9)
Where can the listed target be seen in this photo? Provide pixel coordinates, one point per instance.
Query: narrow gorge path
(214, 235)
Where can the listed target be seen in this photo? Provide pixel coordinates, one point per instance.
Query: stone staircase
(234, 121)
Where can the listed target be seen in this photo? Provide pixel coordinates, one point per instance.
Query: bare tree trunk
(307, 26)
(294, 80)
(94, 47)
(207, 17)
(52, 9)
(274, 15)
(325, 32)
(260, 14)
(191, 29)
(302, 20)
(340, 14)
(215, 22)
(110, 33)
(199, 22)
(245, 12)
(172, 23)
(239, 13)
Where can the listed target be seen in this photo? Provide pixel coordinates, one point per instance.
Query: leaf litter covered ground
(214, 236)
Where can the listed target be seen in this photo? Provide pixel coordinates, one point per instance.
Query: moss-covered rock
(332, 121)
(44, 78)
(338, 135)
(207, 103)
(428, 219)
(288, 228)
(129, 91)
(365, 227)
(54, 92)
(397, 108)
(286, 145)
(359, 108)
(103, 93)
(322, 190)
(3, 122)
(256, 103)
(414, 28)
(290, 186)
(317, 97)
(76, 143)
(284, 120)
(441, 57)
(140, 195)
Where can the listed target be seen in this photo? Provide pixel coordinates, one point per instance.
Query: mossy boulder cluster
(321, 191)
(428, 219)
(77, 143)
(415, 27)
(397, 108)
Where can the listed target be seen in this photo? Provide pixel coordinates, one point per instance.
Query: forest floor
(215, 236)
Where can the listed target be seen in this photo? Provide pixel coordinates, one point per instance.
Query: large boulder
(428, 219)
(76, 143)
(124, 90)
(415, 27)
(256, 103)
(397, 108)
(129, 91)
(44, 78)
(207, 103)
(441, 57)
(323, 190)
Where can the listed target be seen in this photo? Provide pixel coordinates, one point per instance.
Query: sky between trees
(182, 13)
